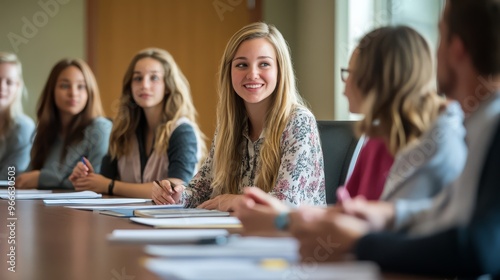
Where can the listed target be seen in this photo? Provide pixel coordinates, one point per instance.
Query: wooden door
(195, 32)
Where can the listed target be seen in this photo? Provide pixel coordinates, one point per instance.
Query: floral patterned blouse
(301, 178)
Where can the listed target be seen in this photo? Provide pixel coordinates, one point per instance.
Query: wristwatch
(282, 221)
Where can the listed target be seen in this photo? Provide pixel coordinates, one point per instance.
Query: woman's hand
(81, 170)
(223, 202)
(258, 210)
(165, 193)
(28, 180)
(92, 182)
(326, 236)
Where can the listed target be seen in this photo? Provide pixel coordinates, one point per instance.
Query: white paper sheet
(65, 195)
(4, 183)
(23, 191)
(99, 201)
(236, 246)
(169, 236)
(179, 213)
(121, 207)
(205, 222)
(245, 269)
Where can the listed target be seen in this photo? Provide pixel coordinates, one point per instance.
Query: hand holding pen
(82, 169)
(166, 192)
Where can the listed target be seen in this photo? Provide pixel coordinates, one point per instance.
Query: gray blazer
(426, 167)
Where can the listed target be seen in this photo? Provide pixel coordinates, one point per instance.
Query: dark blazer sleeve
(109, 167)
(470, 250)
(182, 153)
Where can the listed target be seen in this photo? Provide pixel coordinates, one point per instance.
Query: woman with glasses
(390, 80)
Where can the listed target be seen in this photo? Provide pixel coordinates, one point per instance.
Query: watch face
(281, 221)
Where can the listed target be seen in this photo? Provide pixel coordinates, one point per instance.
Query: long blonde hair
(394, 71)
(15, 109)
(231, 114)
(49, 122)
(177, 103)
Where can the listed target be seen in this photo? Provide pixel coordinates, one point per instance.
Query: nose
(145, 82)
(73, 90)
(253, 73)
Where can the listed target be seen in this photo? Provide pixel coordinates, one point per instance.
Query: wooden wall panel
(195, 32)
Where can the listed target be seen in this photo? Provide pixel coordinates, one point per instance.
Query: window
(354, 18)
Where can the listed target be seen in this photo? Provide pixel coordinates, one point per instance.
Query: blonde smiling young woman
(265, 136)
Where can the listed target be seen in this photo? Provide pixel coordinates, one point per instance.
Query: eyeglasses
(344, 74)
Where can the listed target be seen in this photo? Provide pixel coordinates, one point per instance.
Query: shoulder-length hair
(231, 114)
(177, 103)
(16, 108)
(49, 121)
(394, 71)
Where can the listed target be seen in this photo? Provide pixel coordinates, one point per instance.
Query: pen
(83, 160)
(218, 240)
(171, 184)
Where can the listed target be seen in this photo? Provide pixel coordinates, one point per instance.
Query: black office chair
(338, 143)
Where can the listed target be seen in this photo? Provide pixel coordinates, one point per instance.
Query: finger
(166, 186)
(179, 188)
(258, 195)
(209, 204)
(88, 165)
(159, 200)
(169, 200)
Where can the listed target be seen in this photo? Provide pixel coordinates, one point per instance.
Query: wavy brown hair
(49, 122)
(394, 71)
(177, 103)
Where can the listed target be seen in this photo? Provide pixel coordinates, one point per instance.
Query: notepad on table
(132, 207)
(123, 211)
(247, 269)
(236, 246)
(179, 213)
(54, 196)
(100, 201)
(24, 191)
(195, 222)
(168, 236)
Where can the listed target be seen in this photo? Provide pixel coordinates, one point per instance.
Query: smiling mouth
(253, 86)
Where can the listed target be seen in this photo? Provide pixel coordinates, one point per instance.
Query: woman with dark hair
(70, 125)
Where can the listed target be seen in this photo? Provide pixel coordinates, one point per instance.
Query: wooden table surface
(54, 242)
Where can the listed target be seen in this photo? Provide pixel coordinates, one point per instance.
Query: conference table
(55, 242)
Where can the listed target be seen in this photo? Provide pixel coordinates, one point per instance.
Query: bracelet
(111, 187)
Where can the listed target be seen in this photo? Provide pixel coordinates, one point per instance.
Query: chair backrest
(338, 143)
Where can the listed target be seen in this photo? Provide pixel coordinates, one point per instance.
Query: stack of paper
(124, 211)
(233, 268)
(205, 222)
(100, 201)
(236, 247)
(179, 213)
(24, 191)
(66, 195)
(168, 236)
